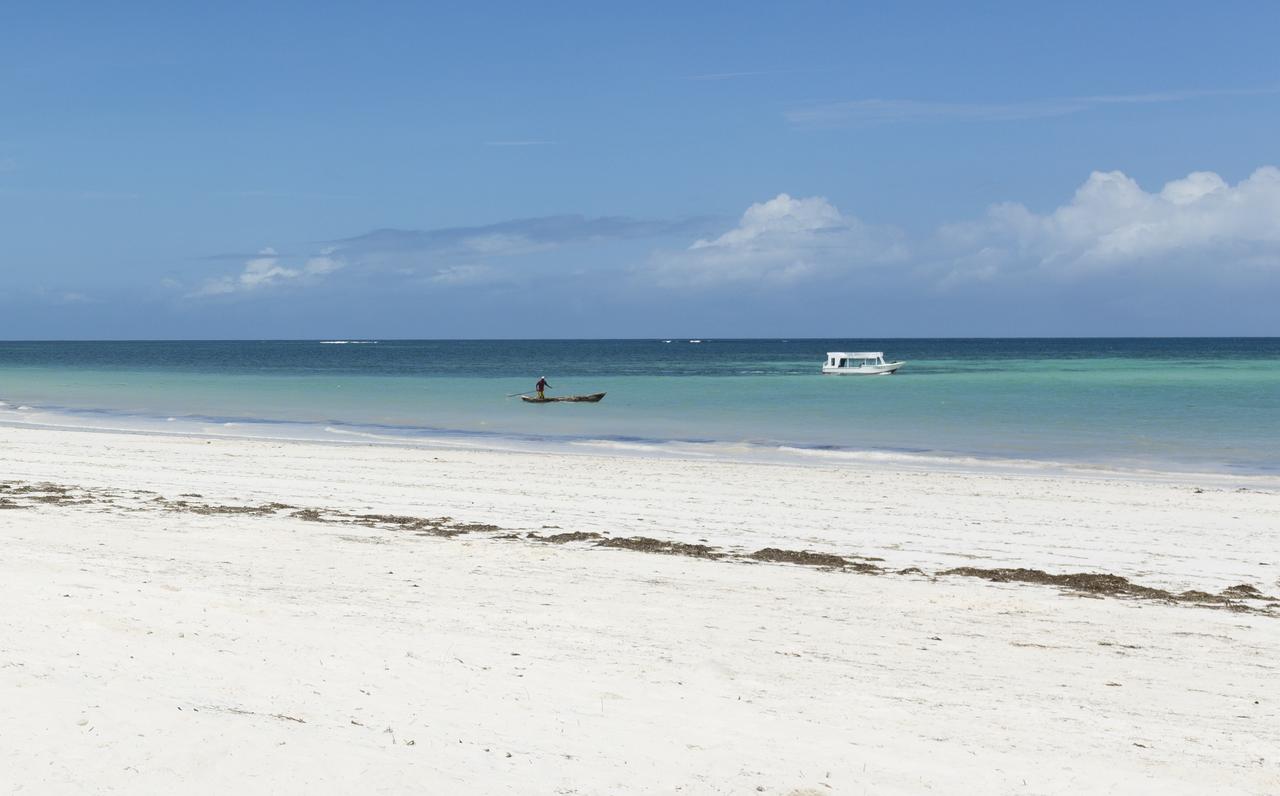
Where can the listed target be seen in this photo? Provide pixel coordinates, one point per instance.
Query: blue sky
(598, 170)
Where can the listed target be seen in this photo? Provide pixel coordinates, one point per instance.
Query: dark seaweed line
(19, 495)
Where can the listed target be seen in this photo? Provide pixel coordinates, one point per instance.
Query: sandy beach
(218, 615)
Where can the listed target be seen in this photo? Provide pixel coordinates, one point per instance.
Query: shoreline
(747, 452)
(360, 617)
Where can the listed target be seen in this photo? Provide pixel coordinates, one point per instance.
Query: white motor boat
(859, 363)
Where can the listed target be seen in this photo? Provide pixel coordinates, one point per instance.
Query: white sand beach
(238, 615)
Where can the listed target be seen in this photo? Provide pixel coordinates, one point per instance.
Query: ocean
(1164, 403)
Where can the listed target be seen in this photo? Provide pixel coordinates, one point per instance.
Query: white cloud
(261, 271)
(266, 270)
(1199, 227)
(1199, 224)
(323, 263)
(1111, 222)
(780, 216)
(782, 240)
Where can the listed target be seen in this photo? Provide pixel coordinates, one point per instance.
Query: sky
(181, 170)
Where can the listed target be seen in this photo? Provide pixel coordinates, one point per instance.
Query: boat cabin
(854, 359)
(859, 363)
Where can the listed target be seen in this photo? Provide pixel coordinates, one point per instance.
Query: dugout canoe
(572, 399)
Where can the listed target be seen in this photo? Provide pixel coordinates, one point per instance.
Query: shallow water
(1182, 403)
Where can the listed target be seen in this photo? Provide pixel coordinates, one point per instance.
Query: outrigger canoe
(573, 399)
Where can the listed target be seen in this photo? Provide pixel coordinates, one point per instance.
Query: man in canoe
(541, 387)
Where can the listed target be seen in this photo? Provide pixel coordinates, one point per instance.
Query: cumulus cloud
(1198, 227)
(1111, 222)
(780, 241)
(267, 269)
(1199, 221)
(323, 263)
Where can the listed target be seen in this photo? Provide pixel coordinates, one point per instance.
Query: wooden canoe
(573, 399)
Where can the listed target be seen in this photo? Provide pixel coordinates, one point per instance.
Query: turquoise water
(1186, 403)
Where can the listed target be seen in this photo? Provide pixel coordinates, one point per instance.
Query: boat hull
(886, 369)
(564, 399)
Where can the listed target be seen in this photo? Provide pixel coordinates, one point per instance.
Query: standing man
(542, 387)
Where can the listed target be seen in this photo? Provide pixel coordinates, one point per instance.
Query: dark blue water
(504, 358)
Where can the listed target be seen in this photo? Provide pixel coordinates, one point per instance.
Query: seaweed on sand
(646, 544)
(810, 559)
